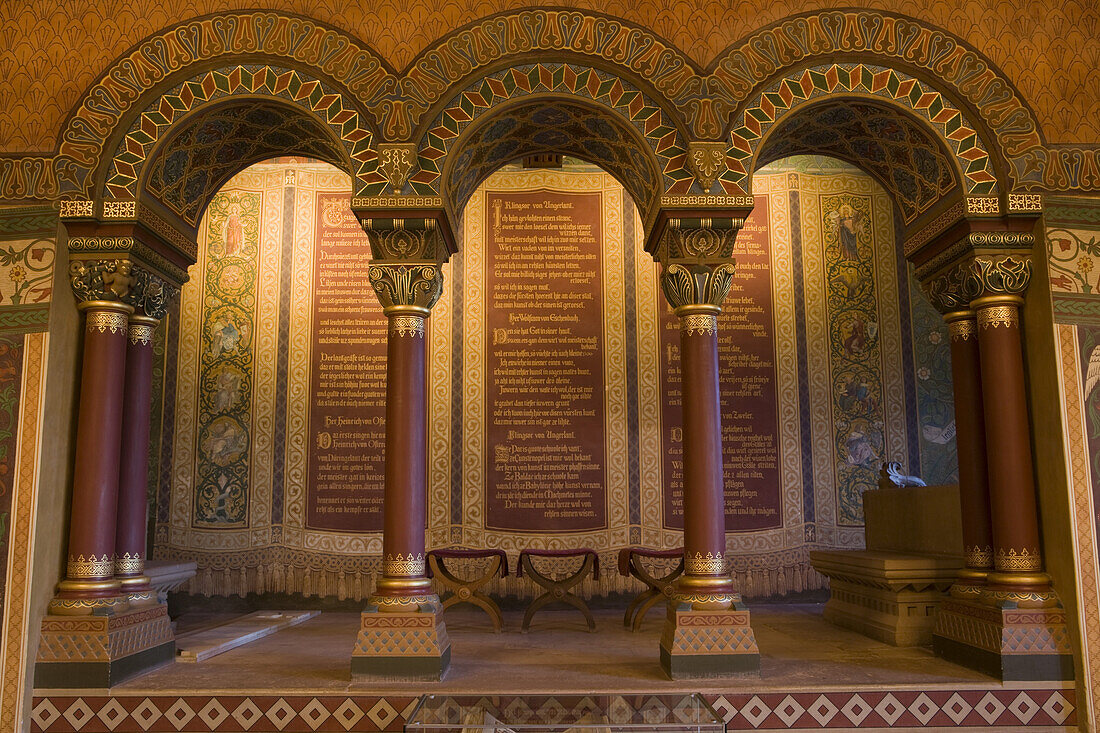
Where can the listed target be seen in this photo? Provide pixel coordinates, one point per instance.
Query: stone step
(200, 645)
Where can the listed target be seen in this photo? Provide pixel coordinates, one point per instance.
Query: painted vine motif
(1074, 256)
(11, 367)
(226, 360)
(935, 398)
(27, 269)
(858, 421)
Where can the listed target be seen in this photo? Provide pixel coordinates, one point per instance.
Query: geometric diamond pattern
(786, 94)
(777, 710)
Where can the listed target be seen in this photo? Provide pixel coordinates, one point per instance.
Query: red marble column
(134, 460)
(971, 448)
(1016, 555)
(705, 582)
(404, 580)
(90, 570)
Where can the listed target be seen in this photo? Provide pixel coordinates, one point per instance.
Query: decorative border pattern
(799, 88)
(618, 96)
(308, 93)
(17, 612)
(889, 709)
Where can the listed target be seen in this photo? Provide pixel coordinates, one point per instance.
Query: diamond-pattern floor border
(870, 710)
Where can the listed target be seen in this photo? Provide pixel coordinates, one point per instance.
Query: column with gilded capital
(93, 635)
(707, 632)
(402, 634)
(948, 293)
(89, 584)
(1015, 628)
(149, 296)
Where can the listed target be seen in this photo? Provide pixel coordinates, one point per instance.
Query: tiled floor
(798, 648)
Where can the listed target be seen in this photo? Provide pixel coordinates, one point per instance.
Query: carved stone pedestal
(708, 643)
(402, 645)
(103, 650)
(888, 596)
(1004, 641)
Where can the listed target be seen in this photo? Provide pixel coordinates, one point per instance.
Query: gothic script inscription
(347, 413)
(747, 374)
(545, 383)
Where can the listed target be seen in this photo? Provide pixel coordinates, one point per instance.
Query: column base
(402, 645)
(102, 650)
(1006, 642)
(708, 643)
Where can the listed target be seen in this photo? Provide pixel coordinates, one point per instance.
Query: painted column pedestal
(402, 635)
(1015, 628)
(92, 636)
(971, 449)
(130, 552)
(707, 631)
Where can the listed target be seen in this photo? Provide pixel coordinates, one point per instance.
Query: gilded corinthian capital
(697, 260)
(102, 280)
(999, 274)
(400, 285)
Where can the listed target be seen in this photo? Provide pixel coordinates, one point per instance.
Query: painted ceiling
(1049, 50)
(218, 142)
(906, 160)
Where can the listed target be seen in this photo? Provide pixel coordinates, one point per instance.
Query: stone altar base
(103, 650)
(708, 643)
(402, 645)
(1012, 644)
(888, 596)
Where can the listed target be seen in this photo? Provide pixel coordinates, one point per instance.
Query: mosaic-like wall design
(860, 377)
(226, 359)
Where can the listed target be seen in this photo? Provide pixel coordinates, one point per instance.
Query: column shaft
(404, 511)
(1016, 557)
(90, 568)
(970, 441)
(134, 461)
(705, 574)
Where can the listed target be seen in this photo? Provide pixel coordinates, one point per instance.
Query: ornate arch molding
(803, 89)
(350, 69)
(543, 124)
(878, 38)
(662, 140)
(287, 87)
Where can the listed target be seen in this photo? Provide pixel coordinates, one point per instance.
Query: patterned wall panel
(840, 329)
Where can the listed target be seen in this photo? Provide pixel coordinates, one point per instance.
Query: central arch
(551, 125)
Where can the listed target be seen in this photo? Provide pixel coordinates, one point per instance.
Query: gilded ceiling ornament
(707, 160)
(395, 163)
